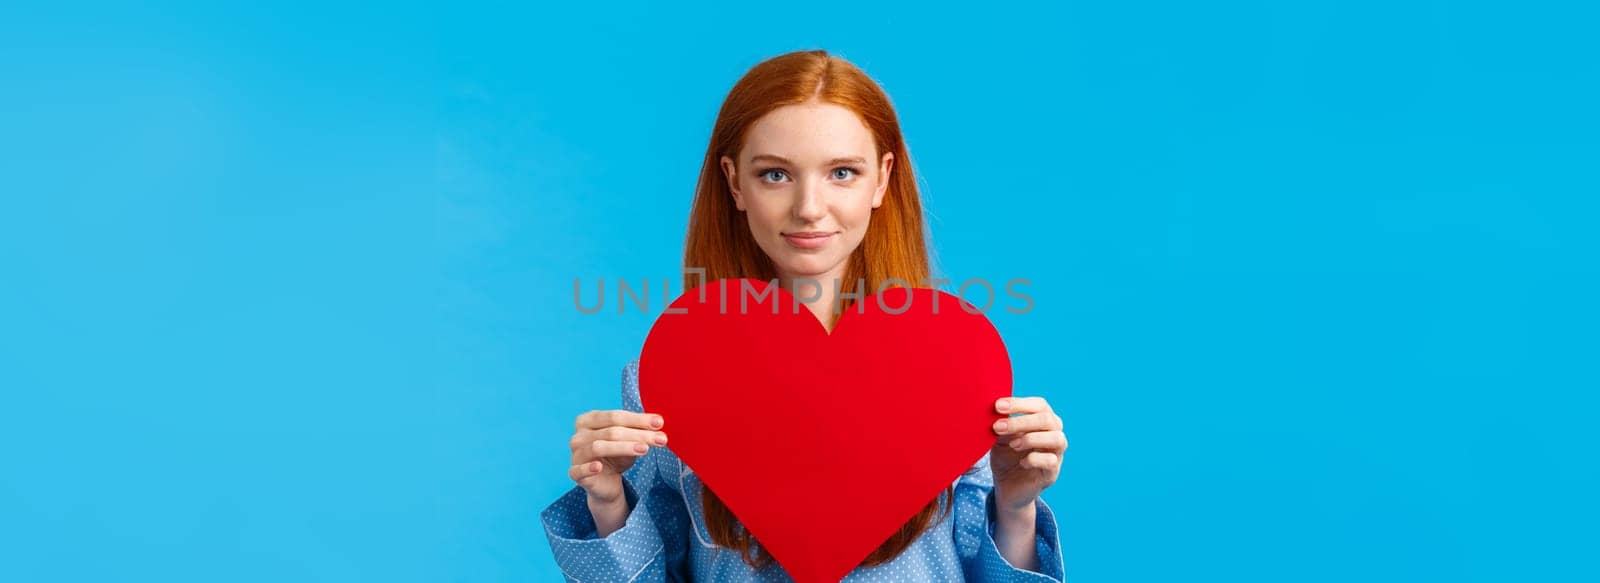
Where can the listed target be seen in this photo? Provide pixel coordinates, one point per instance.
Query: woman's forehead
(808, 134)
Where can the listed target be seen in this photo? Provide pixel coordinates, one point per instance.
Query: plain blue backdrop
(286, 293)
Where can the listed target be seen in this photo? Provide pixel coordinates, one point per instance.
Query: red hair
(719, 239)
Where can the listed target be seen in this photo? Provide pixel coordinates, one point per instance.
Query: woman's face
(807, 180)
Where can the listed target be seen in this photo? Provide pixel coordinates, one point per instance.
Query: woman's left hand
(1027, 452)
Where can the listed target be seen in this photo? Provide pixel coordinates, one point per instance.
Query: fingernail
(640, 448)
(1003, 405)
(655, 422)
(661, 439)
(1015, 442)
(1001, 425)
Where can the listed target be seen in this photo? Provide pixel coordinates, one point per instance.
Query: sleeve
(974, 533)
(652, 543)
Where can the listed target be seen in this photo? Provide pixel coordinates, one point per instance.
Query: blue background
(285, 294)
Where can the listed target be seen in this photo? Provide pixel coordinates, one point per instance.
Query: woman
(806, 180)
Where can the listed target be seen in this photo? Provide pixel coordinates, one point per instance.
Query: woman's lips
(808, 240)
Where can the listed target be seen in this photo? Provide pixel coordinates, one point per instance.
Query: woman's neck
(823, 287)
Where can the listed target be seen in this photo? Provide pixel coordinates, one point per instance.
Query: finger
(619, 433)
(580, 471)
(1040, 460)
(608, 418)
(1042, 421)
(605, 449)
(1051, 441)
(1021, 405)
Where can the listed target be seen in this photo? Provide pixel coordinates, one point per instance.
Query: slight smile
(808, 239)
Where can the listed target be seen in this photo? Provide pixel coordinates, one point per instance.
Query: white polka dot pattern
(668, 540)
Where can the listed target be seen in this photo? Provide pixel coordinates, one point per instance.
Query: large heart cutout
(824, 445)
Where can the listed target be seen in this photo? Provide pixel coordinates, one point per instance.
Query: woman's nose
(811, 206)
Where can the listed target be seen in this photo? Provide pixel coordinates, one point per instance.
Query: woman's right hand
(604, 445)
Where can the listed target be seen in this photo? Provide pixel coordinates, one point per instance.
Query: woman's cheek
(858, 207)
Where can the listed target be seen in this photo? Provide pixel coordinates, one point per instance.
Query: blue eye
(852, 172)
(770, 172)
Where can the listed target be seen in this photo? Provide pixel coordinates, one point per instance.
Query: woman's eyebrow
(785, 161)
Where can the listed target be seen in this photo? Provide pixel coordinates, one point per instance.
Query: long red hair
(719, 239)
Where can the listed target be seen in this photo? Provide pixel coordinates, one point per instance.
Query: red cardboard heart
(824, 445)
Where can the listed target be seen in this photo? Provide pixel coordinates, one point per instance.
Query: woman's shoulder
(978, 475)
(670, 464)
(630, 387)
